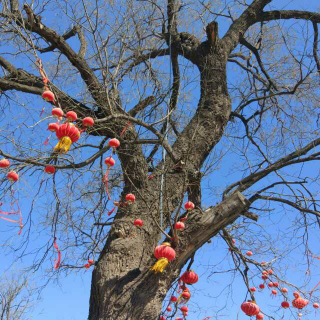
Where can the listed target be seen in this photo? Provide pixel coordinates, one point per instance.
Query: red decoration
(50, 169)
(276, 284)
(57, 262)
(186, 294)
(164, 254)
(285, 304)
(184, 309)
(264, 277)
(259, 316)
(162, 318)
(265, 272)
(316, 305)
(233, 241)
(4, 163)
(270, 284)
(253, 289)
(13, 176)
(169, 309)
(71, 116)
(57, 112)
(250, 308)
(48, 96)
(173, 299)
(90, 261)
(284, 290)
(67, 134)
(274, 292)
(299, 303)
(179, 225)
(270, 271)
(53, 127)
(114, 143)
(249, 253)
(88, 122)
(189, 205)
(138, 222)
(261, 286)
(189, 277)
(110, 163)
(296, 294)
(130, 198)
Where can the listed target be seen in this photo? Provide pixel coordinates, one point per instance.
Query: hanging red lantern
(90, 261)
(253, 289)
(189, 277)
(250, 308)
(284, 290)
(162, 318)
(50, 169)
(285, 304)
(48, 96)
(261, 286)
(184, 309)
(299, 303)
(296, 294)
(67, 134)
(53, 127)
(71, 116)
(189, 205)
(114, 143)
(179, 225)
(110, 163)
(249, 253)
(130, 198)
(270, 271)
(173, 299)
(259, 316)
(274, 292)
(164, 254)
(13, 176)
(87, 266)
(57, 112)
(138, 222)
(186, 295)
(169, 309)
(88, 122)
(4, 163)
(270, 284)
(276, 284)
(264, 277)
(316, 305)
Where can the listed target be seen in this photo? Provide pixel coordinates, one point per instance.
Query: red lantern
(270, 271)
(4, 163)
(13, 176)
(53, 127)
(179, 225)
(162, 318)
(67, 134)
(233, 241)
(253, 289)
(264, 277)
(57, 112)
(88, 122)
(109, 162)
(276, 284)
(130, 198)
(48, 96)
(164, 254)
(249, 253)
(173, 299)
(169, 309)
(250, 308)
(284, 290)
(184, 309)
(259, 316)
(274, 292)
(189, 205)
(316, 305)
(138, 222)
(50, 169)
(189, 277)
(296, 294)
(71, 116)
(186, 295)
(87, 266)
(114, 143)
(285, 304)
(90, 261)
(261, 286)
(270, 285)
(299, 303)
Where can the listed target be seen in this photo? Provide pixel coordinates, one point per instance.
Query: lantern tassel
(57, 262)
(63, 145)
(106, 182)
(160, 265)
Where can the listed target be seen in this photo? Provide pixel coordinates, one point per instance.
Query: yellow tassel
(63, 145)
(160, 265)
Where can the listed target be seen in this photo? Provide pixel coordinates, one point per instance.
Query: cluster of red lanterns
(12, 176)
(89, 264)
(189, 206)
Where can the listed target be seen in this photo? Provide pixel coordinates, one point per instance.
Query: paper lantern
(4, 163)
(71, 116)
(179, 225)
(57, 112)
(164, 254)
(285, 304)
(50, 169)
(189, 205)
(53, 127)
(130, 198)
(138, 222)
(13, 176)
(189, 277)
(67, 134)
(48, 96)
(250, 308)
(88, 122)
(114, 143)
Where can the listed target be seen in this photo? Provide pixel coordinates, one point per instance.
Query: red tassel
(106, 182)
(57, 262)
(111, 211)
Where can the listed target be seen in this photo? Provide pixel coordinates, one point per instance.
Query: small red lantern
(162, 318)
(189, 277)
(274, 292)
(184, 309)
(264, 277)
(316, 305)
(67, 134)
(130, 198)
(71, 116)
(270, 284)
(13, 176)
(284, 290)
(299, 303)
(259, 316)
(270, 271)
(57, 112)
(189, 205)
(233, 241)
(276, 284)
(179, 225)
(90, 261)
(109, 162)
(169, 309)
(249, 253)
(173, 299)
(285, 304)
(138, 222)
(87, 266)
(164, 254)
(53, 127)
(88, 122)
(253, 289)
(296, 294)
(250, 308)
(4, 163)
(186, 295)
(50, 169)
(114, 143)
(48, 96)
(261, 286)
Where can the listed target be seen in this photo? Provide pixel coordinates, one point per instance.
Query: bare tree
(136, 68)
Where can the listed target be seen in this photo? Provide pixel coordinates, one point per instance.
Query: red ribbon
(106, 182)
(57, 262)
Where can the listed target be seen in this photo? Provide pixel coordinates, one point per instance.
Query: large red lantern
(4, 163)
(57, 112)
(164, 253)
(250, 308)
(67, 134)
(189, 277)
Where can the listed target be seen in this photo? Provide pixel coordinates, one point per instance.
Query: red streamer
(57, 262)
(13, 213)
(111, 211)
(106, 183)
